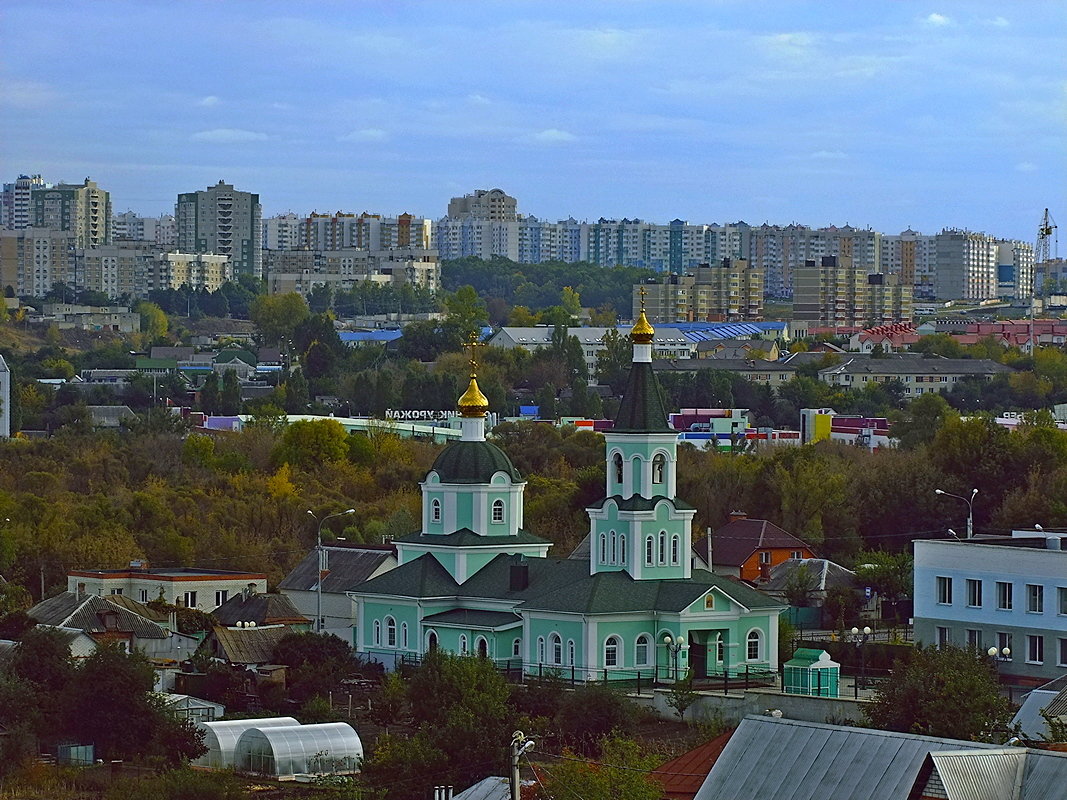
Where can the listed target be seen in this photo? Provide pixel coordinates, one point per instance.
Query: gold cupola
(642, 332)
(473, 403)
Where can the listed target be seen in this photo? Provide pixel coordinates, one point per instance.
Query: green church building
(473, 580)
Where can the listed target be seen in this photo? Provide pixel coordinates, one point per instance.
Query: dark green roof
(473, 462)
(423, 577)
(642, 409)
(465, 537)
(474, 618)
(638, 503)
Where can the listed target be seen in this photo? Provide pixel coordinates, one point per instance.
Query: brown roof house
(260, 608)
(747, 548)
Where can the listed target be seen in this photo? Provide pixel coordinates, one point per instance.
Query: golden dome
(473, 403)
(642, 332)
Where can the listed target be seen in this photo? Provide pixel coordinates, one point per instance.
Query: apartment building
(201, 271)
(364, 232)
(780, 251)
(302, 270)
(16, 201)
(726, 291)
(129, 226)
(491, 204)
(282, 231)
(1007, 592)
(32, 260)
(222, 220)
(117, 269)
(82, 209)
(919, 375)
(669, 343)
(831, 292)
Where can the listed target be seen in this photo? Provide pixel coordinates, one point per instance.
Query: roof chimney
(736, 516)
(519, 575)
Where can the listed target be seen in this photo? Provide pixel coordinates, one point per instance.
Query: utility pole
(519, 745)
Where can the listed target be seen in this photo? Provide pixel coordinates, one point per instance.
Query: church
(473, 580)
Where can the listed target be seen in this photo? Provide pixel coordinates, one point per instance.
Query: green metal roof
(465, 537)
(473, 462)
(638, 503)
(423, 577)
(642, 409)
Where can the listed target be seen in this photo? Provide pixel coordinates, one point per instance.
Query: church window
(754, 645)
(404, 635)
(611, 651)
(570, 652)
(557, 649)
(720, 648)
(377, 631)
(498, 511)
(642, 650)
(617, 461)
(675, 550)
(481, 647)
(622, 549)
(649, 550)
(658, 464)
(663, 547)
(390, 632)
(463, 644)
(516, 648)
(603, 548)
(614, 548)
(435, 510)
(431, 641)
(540, 649)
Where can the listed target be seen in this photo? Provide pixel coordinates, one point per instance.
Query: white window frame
(1061, 600)
(603, 548)
(974, 638)
(1035, 646)
(463, 644)
(570, 653)
(404, 635)
(390, 631)
(435, 510)
(540, 649)
(944, 590)
(1035, 598)
(1005, 595)
(650, 550)
(754, 636)
(676, 550)
(974, 593)
(1061, 652)
(498, 511)
(643, 643)
(1004, 641)
(377, 633)
(612, 646)
(221, 596)
(555, 652)
(943, 635)
(622, 549)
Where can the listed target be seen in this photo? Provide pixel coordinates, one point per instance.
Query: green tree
(522, 317)
(466, 311)
(888, 574)
(209, 394)
(277, 315)
(919, 423)
(681, 695)
(623, 771)
(942, 691)
(310, 443)
(153, 321)
(230, 393)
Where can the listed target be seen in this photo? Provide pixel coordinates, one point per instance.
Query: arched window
(603, 548)
(404, 635)
(570, 652)
(463, 644)
(720, 648)
(498, 511)
(663, 547)
(516, 648)
(614, 548)
(431, 641)
(658, 465)
(611, 651)
(641, 651)
(557, 648)
(540, 649)
(649, 551)
(617, 461)
(390, 632)
(675, 550)
(481, 647)
(435, 510)
(754, 645)
(622, 548)
(377, 631)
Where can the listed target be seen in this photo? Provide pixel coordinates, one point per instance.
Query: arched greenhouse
(220, 738)
(332, 747)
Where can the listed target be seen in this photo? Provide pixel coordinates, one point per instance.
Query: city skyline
(886, 116)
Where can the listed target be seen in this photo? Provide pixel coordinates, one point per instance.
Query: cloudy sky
(881, 114)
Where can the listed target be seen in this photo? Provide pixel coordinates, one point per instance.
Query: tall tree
(277, 315)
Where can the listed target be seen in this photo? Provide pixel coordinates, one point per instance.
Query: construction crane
(1046, 234)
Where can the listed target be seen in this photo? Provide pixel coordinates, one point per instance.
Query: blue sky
(880, 114)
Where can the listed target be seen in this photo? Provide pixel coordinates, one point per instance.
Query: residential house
(918, 375)
(890, 338)
(1007, 592)
(783, 759)
(261, 609)
(245, 647)
(205, 589)
(748, 548)
(1048, 700)
(474, 580)
(345, 568)
(744, 349)
(757, 370)
(803, 583)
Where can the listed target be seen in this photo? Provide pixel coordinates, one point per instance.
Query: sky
(875, 114)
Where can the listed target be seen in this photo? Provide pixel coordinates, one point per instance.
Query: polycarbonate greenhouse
(220, 738)
(332, 747)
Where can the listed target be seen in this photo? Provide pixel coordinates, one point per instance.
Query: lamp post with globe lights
(321, 565)
(859, 638)
(675, 646)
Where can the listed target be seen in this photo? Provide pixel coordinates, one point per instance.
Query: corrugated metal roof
(813, 761)
(348, 567)
(248, 645)
(1045, 775)
(87, 613)
(981, 775)
(492, 788)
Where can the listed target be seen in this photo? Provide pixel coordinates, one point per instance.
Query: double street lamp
(322, 563)
(859, 638)
(970, 507)
(674, 647)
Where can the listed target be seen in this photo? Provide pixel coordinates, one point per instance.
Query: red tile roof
(683, 776)
(735, 542)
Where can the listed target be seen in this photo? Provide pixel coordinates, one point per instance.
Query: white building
(282, 231)
(15, 201)
(997, 591)
(302, 270)
(204, 589)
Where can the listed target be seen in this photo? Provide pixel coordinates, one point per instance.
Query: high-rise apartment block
(302, 270)
(492, 204)
(201, 271)
(130, 227)
(16, 201)
(32, 260)
(729, 291)
(282, 232)
(83, 209)
(224, 221)
(832, 292)
(779, 251)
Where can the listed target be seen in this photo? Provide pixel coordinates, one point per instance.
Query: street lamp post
(970, 507)
(322, 566)
(860, 642)
(674, 647)
(998, 655)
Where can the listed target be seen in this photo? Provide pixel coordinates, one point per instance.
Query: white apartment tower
(225, 221)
